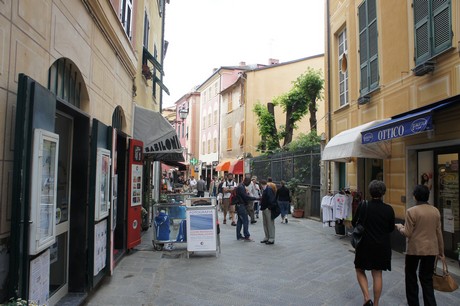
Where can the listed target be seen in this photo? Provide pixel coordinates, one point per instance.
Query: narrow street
(307, 265)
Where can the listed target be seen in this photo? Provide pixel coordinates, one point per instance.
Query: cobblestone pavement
(307, 265)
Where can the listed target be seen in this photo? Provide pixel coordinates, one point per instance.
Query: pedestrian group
(422, 229)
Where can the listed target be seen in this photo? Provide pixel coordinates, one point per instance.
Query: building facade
(263, 84)
(70, 75)
(211, 111)
(187, 127)
(392, 107)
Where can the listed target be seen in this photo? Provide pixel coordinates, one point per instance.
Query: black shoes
(253, 221)
(369, 303)
(270, 242)
(263, 241)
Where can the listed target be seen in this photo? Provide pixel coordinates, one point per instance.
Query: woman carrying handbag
(374, 250)
(422, 229)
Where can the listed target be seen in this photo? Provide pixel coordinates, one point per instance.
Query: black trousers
(425, 266)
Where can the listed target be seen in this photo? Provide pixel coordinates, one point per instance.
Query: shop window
(368, 47)
(432, 28)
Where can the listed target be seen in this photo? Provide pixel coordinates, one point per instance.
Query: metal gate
(303, 165)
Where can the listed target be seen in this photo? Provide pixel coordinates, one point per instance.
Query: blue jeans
(284, 208)
(243, 220)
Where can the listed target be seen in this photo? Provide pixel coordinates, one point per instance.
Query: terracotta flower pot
(298, 213)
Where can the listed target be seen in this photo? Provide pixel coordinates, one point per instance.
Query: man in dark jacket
(267, 204)
(243, 200)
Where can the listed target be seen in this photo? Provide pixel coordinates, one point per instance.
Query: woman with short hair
(422, 229)
(374, 251)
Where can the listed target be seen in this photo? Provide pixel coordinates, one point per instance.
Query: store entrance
(59, 255)
(447, 197)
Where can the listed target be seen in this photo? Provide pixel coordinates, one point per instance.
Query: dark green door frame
(36, 107)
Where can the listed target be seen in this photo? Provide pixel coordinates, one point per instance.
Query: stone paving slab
(307, 265)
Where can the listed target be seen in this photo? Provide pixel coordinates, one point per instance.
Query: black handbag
(359, 229)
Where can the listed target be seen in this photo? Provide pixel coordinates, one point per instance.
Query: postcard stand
(168, 224)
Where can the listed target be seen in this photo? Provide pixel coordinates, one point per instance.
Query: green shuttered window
(368, 47)
(433, 28)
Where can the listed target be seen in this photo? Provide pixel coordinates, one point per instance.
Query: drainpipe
(327, 176)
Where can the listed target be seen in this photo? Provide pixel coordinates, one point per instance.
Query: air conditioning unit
(424, 68)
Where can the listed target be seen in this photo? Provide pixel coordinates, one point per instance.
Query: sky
(208, 34)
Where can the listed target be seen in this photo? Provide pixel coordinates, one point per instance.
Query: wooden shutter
(442, 25)
(363, 50)
(229, 138)
(422, 40)
(373, 53)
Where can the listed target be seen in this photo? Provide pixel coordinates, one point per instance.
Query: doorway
(59, 255)
(447, 196)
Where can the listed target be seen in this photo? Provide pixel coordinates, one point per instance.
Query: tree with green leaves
(296, 103)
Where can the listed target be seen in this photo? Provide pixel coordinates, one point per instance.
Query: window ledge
(342, 108)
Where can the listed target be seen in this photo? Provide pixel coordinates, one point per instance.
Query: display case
(43, 191)
(102, 201)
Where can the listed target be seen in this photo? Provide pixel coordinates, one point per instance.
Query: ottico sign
(389, 130)
(403, 125)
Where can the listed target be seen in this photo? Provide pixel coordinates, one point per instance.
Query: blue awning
(402, 125)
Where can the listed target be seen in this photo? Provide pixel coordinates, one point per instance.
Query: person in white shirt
(193, 183)
(253, 207)
(227, 187)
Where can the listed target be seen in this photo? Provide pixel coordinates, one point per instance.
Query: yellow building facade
(70, 72)
(264, 84)
(393, 100)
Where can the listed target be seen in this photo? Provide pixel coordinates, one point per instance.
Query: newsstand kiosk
(135, 171)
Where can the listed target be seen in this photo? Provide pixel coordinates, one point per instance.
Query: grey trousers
(269, 225)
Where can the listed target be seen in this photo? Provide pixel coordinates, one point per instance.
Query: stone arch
(119, 119)
(67, 83)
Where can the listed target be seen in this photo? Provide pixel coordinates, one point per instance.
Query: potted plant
(296, 197)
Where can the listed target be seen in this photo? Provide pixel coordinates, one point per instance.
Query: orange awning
(236, 167)
(223, 166)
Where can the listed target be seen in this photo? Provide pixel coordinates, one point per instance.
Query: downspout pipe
(329, 96)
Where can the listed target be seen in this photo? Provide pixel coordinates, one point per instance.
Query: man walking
(243, 200)
(200, 187)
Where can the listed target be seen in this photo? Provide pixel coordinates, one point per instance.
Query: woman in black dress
(374, 251)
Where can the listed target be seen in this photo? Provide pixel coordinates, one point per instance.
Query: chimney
(273, 61)
(242, 63)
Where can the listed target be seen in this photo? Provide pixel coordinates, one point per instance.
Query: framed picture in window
(102, 201)
(43, 190)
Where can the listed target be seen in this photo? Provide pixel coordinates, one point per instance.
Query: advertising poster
(136, 185)
(100, 246)
(201, 229)
(39, 280)
(425, 172)
(448, 220)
